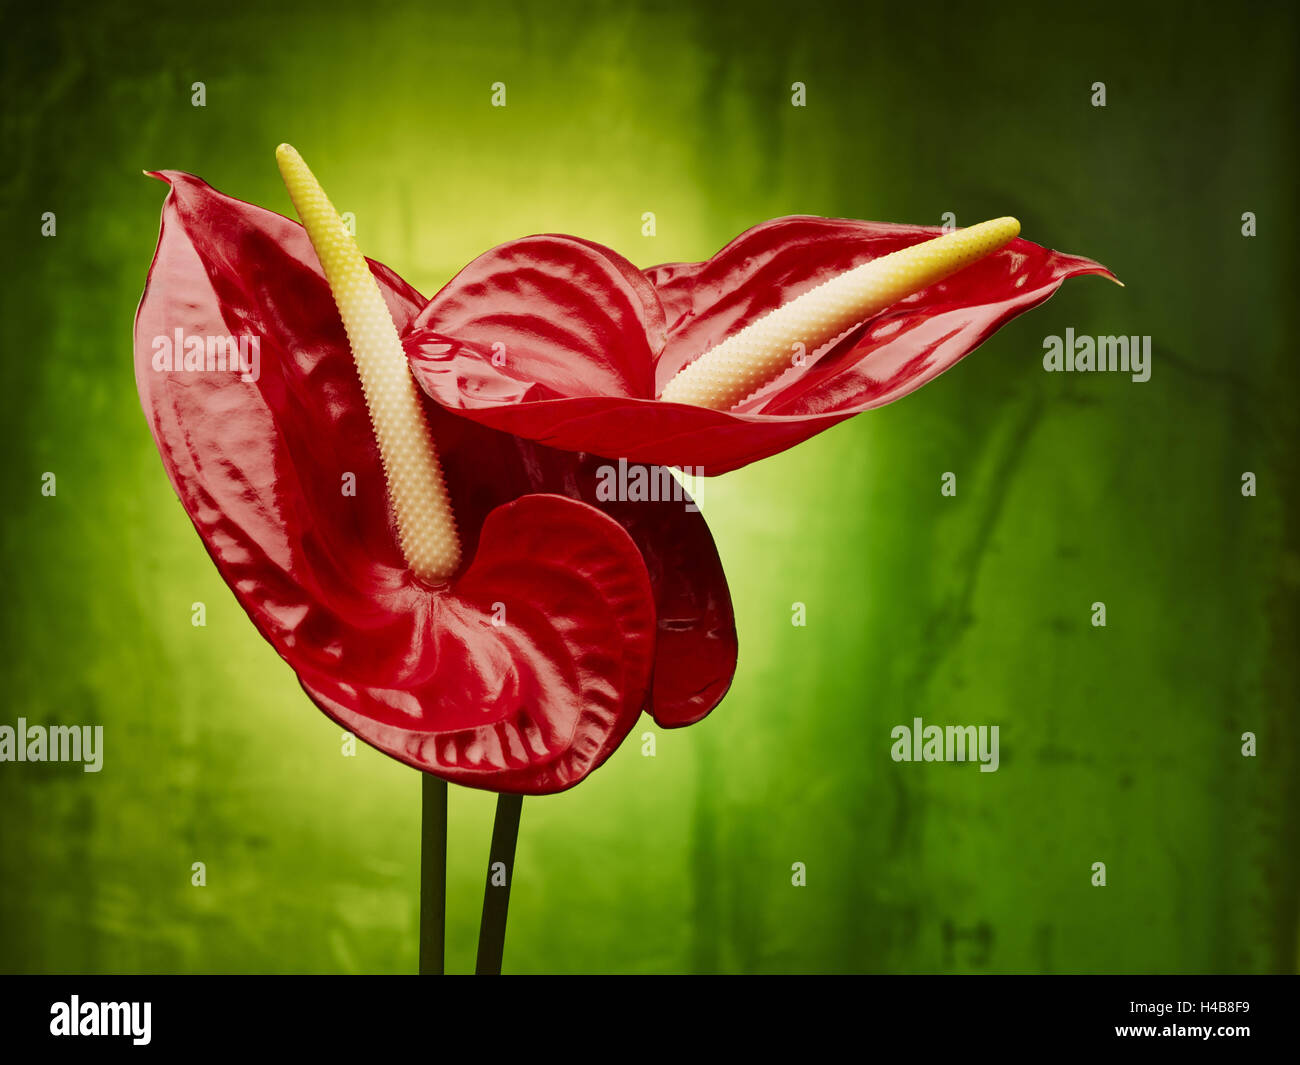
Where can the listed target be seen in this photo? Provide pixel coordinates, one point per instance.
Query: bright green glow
(1117, 745)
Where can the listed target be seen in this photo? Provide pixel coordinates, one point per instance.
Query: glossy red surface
(607, 609)
(586, 341)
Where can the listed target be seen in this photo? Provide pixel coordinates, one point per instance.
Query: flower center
(426, 526)
(738, 367)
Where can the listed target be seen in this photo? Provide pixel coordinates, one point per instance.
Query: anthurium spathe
(445, 591)
(796, 325)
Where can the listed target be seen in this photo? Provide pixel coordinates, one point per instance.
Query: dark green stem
(433, 875)
(496, 895)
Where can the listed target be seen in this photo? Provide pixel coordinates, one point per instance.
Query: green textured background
(1119, 744)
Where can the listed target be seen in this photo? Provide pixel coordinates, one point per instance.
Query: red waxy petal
(588, 408)
(530, 670)
(695, 655)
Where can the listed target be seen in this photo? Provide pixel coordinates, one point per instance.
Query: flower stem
(496, 895)
(433, 874)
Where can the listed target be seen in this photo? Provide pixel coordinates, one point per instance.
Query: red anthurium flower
(512, 650)
(565, 342)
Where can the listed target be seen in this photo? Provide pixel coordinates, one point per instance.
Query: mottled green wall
(1119, 744)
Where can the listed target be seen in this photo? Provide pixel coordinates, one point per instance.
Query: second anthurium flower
(796, 325)
(447, 592)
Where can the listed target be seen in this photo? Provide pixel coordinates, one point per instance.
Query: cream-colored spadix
(425, 524)
(746, 361)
